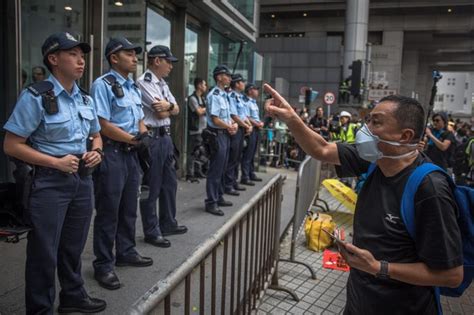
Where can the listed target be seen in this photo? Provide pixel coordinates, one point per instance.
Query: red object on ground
(334, 260)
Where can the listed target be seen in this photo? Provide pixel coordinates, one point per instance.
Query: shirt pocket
(123, 111)
(58, 127)
(224, 112)
(87, 118)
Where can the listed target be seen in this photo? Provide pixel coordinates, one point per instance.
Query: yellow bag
(316, 239)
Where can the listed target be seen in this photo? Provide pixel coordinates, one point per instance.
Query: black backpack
(461, 158)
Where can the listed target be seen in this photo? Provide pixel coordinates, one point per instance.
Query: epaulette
(245, 98)
(147, 77)
(216, 92)
(110, 79)
(40, 88)
(84, 95)
(232, 94)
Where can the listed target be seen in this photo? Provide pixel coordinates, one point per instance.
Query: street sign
(329, 98)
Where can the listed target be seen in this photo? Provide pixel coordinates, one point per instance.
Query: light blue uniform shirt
(252, 108)
(237, 105)
(218, 105)
(124, 112)
(63, 133)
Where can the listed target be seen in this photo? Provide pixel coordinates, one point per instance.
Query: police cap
(161, 51)
(221, 69)
(120, 43)
(237, 78)
(62, 41)
(249, 86)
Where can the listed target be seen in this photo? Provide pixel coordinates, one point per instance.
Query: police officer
(159, 104)
(48, 129)
(118, 103)
(220, 123)
(239, 114)
(248, 172)
(347, 130)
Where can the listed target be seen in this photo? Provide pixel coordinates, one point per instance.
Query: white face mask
(367, 146)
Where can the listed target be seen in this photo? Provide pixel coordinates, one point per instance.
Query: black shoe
(158, 241)
(232, 192)
(214, 209)
(247, 182)
(199, 175)
(256, 179)
(86, 305)
(224, 203)
(239, 188)
(134, 261)
(178, 229)
(108, 280)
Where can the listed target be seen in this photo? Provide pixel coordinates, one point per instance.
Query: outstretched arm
(311, 142)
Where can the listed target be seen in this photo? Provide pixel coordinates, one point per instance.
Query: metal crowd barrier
(230, 271)
(307, 188)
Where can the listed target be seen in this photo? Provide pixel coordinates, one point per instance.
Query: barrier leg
(313, 273)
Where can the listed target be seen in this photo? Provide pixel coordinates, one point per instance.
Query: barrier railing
(307, 188)
(230, 271)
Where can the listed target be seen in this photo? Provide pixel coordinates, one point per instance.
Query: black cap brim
(172, 59)
(85, 47)
(136, 48)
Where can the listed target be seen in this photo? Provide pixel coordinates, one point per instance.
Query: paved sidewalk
(327, 294)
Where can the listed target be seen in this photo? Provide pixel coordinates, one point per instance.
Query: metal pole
(368, 61)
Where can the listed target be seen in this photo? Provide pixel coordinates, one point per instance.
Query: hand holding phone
(340, 243)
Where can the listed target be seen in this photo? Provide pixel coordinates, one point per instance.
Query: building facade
(409, 39)
(201, 33)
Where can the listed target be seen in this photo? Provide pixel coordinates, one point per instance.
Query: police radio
(50, 103)
(117, 90)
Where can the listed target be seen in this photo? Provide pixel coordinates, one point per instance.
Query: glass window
(190, 59)
(125, 18)
(39, 19)
(246, 7)
(158, 30)
(224, 51)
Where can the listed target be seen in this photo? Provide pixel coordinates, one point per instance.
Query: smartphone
(334, 237)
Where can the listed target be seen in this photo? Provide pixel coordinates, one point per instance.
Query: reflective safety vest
(347, 136)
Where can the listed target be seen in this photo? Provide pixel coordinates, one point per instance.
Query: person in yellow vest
(347, 129)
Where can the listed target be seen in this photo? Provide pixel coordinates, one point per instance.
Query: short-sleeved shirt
(379, 228)
(153, 90)
(252, 108)
(59, 134)
(439, 157)
(218, 106)
(237, 105)
(125, 112)
(195, 102)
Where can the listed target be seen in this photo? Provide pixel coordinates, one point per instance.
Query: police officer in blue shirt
(238, 113)
(159, 105)
(222, 126)
(49, 129)
(248, 172)
(118, 103)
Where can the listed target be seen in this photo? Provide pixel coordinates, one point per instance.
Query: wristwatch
(99, 150)
(383, 272)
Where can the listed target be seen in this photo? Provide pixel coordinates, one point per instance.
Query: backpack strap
(371, 169)
(407, 208)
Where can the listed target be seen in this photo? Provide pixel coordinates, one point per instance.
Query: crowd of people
(97, 151)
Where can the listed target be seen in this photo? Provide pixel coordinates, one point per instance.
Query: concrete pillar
(355, 32)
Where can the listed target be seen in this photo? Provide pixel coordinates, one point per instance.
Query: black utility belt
(217, 130)
(82, 171)
(122, 146)
(160, 131)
